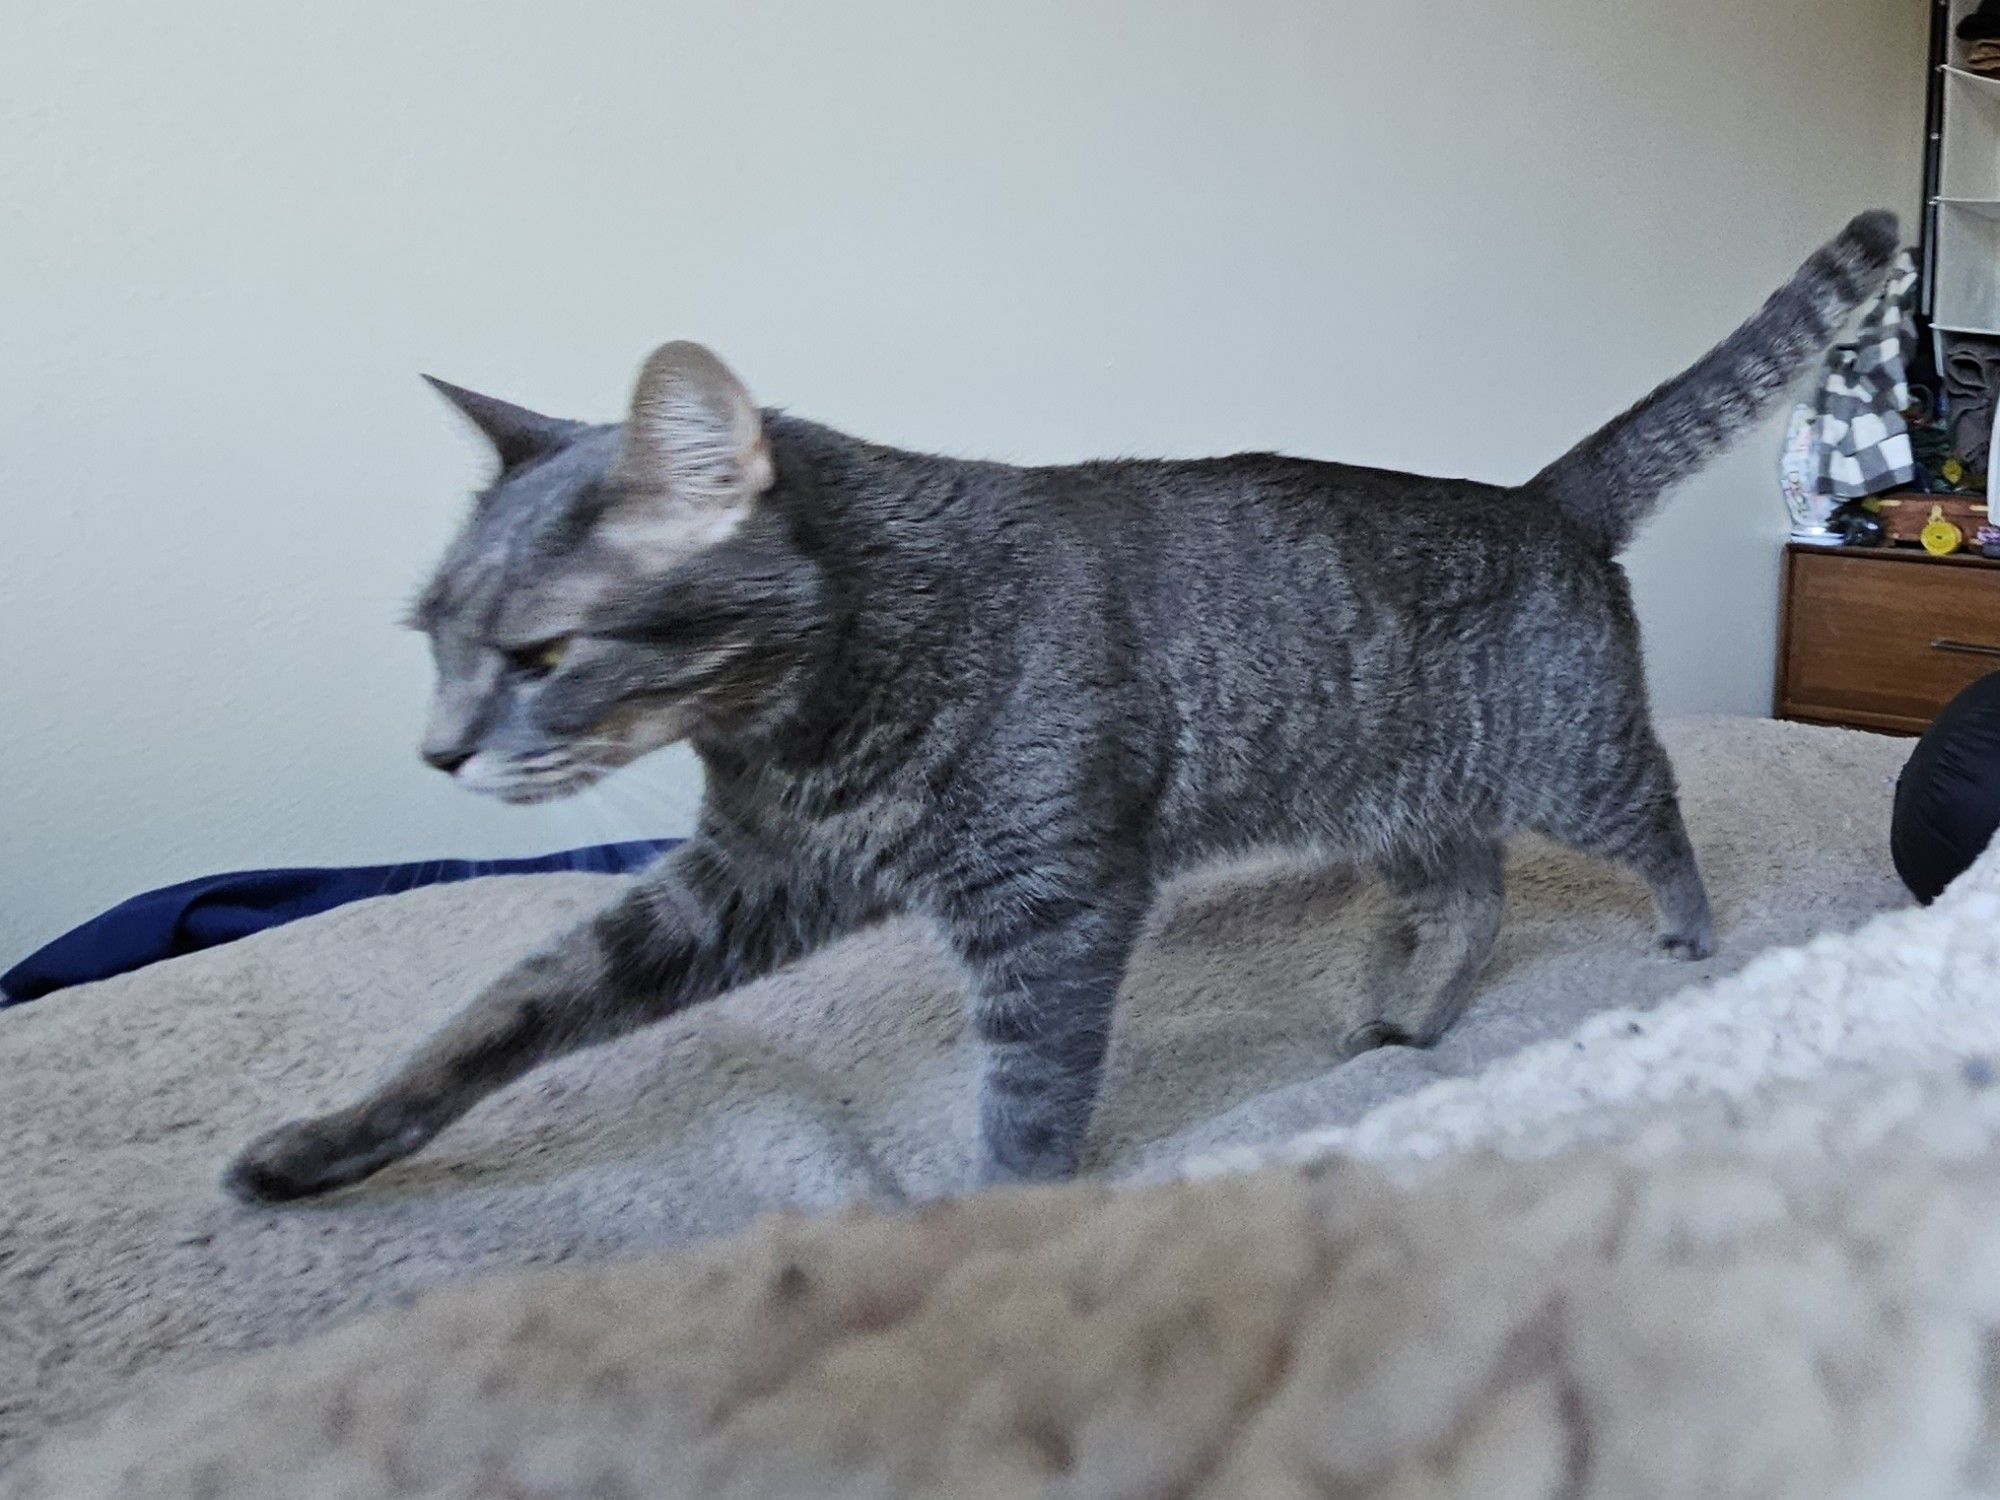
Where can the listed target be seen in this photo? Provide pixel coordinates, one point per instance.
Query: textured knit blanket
(122, 1268)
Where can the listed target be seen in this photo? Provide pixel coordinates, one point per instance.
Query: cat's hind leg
(1630, 815)
(1449, 902)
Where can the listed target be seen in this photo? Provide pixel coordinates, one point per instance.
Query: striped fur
(1016, 700)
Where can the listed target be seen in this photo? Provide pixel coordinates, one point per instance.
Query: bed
(130, 1284)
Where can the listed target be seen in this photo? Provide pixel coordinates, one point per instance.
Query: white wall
(1449, 236)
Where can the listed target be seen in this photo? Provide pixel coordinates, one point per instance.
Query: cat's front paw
(992, 1172)
(309, 1157)
(1026, 1158)
(1689, 947)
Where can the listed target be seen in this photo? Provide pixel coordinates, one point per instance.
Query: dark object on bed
(1948, 798)
(219, 909)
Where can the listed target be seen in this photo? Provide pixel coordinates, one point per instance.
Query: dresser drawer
(1881, 641)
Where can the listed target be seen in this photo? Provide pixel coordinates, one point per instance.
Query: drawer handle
(1965, 648)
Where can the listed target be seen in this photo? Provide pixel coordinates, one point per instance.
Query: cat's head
(616, 588)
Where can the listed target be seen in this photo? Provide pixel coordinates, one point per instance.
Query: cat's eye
(540, 659)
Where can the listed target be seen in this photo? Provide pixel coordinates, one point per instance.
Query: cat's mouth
(564, 768)
(523, 781)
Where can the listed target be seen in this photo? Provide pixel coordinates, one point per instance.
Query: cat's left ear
(693, 450)
(517, 434)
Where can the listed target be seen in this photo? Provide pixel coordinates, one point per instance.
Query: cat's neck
(878, 524)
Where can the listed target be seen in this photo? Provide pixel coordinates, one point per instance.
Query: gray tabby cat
(1015, 700)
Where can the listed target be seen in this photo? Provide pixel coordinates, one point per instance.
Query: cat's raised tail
(1610, 482)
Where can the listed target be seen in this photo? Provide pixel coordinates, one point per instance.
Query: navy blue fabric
(219, 909)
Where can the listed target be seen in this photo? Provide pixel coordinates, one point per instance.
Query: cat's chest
(842, 824)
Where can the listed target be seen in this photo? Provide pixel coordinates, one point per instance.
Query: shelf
(1966, 292)
(1969, 150)
(1986, 208)
(1962, 292)
(1988, 86)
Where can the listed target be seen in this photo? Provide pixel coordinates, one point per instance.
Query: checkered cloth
(1860, 442)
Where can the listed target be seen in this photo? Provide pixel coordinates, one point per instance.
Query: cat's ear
(694, 440)
(517, 434)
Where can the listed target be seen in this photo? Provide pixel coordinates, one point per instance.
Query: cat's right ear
(517, 434)
(695, 441)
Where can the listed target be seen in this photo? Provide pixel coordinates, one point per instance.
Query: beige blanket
(1756, 1290)
(846, 1078)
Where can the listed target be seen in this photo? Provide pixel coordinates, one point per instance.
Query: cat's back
(1200, 534)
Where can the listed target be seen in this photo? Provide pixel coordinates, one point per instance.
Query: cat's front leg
(525, 1017)
(1046, 971)
(689, 929)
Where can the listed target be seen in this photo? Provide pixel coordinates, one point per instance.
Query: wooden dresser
(1882, 638)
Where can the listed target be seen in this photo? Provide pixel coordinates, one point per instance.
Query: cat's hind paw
(308, 1157)
(1371, 1035)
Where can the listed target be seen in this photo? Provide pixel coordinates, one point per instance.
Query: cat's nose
(448, 761)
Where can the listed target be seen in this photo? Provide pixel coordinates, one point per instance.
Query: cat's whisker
(654, 809)
(593, 806)
(625, 809)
